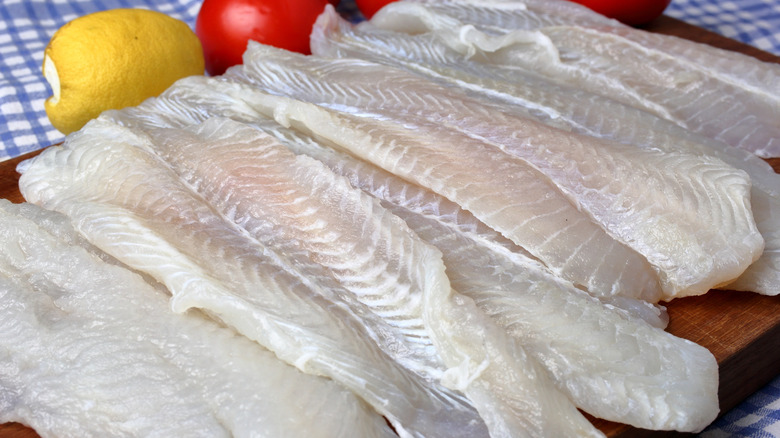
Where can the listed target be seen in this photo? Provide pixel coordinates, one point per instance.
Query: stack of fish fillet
(460, 219)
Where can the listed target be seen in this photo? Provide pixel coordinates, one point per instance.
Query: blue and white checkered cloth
(27, 25)
(754, 22)
(756, 417)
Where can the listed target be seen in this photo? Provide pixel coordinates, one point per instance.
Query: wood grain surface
(741, 329)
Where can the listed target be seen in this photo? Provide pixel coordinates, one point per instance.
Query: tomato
(369, 7)
(634, 13)
(226, 26)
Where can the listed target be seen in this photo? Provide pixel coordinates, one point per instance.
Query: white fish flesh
(611, 364)
(196, 99)
(553, 320)
(563, 107)
(499, 15)
(729, 97)
(496, 17)
(330, 231)
(511, 197)
(129, 203)
(607, 181)
(89, 348)
(297, 205)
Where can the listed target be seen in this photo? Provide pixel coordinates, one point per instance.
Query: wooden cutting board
(741, 329)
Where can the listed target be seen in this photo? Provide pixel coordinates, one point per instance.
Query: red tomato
(226, 26)
(369, 7)
(634, 13)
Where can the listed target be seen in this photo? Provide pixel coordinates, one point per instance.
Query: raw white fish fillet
(563, 107)
(763, 276)
(89, 348)
(556, 321)
(501, 286)
(505, 193)
(610, 363)
(343, 239)
(728, 66)
(129, 203)
(673, 79)
(336, 235)
(496, 17)
(194, 100)
(691, 220)
(499, 15)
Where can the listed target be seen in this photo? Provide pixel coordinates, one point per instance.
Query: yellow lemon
(114, 59)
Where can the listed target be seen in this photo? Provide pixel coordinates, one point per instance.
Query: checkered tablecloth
(27, 25)
(755, 22)
(756, 417)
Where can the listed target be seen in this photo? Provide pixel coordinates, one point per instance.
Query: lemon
(114, 59)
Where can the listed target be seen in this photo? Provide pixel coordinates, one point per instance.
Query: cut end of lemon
(53, 78)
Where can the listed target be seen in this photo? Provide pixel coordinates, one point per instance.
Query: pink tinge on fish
(297, 205)
(615, 188)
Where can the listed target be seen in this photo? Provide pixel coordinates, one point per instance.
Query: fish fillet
(505, 193)
(343, 238)
(611, 364)
(553, 320)
(677, 80)
(694, 240)
(336, 236)
(563, 107)
(617, 271)
(496, 17)
(129, 203)
(195, 100)
(89, 348)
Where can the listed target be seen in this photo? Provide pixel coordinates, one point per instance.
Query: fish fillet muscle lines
(335, 234)
(515, 290)
(728, 97)
(617, 186)
(511, 197)
(429, 54)
(616, 270)
(554, 321)
(299, 206)
(89, 348)
(195, 100)
(130, 204)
